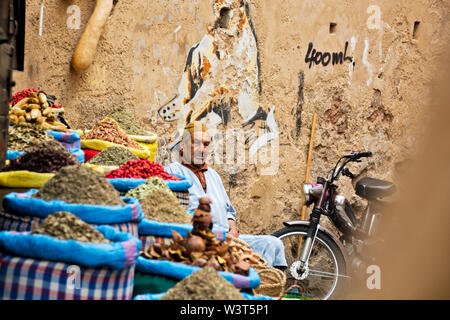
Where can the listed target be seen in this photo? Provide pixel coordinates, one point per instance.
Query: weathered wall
(372, 100)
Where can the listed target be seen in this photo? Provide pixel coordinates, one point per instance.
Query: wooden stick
(308, 171)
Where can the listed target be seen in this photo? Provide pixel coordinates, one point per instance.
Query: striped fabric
(183, 197)
(12, 222)
(30, 279)
(147, 241)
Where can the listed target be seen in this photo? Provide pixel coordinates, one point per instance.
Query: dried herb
(150, 185)
(53, 145)
(40, 160)
(162, 205)
(108, 130)
(79, 184)
(67, 226)
(126, 121)
(113, 156)
(24, 135)
(205, 284)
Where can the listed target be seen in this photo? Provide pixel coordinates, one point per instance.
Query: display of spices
(113, 156)
(205, 284)
(53, 145)
(21, 95)
(79, 184)
(126, 121)
(40, 160)
(200, 247)
(162, 205)
(67, 226)
(141, 169)
(35, 109)
(24, 135)
(150, 185)
(109, 130)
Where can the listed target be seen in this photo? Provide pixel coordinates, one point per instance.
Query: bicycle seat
(371, 189)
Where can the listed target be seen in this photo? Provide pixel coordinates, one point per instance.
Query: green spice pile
(79, 184)
(126, 121)
(67, 226)
(150, 185)
(205, 284)
(25, 135)
(113, 156)
(162, 205)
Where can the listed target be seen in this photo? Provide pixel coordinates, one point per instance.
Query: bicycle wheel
(326, 262)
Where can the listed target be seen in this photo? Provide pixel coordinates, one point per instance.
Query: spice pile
(53, 145)
(25, 135)
(35, 109)
(108, 130)
(162, 205)
(150, 185)
(141, 169)
(67, 226)
(126, 121)
(113, 156)
(40, 160)
(205, 284)
(200, 248)
(79, 184)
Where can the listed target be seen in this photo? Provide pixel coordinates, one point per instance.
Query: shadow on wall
(414, 261)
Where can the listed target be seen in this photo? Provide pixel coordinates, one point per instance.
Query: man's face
(195, 151)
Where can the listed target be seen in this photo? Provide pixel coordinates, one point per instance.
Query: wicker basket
(273, 282)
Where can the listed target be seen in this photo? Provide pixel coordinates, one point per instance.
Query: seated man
(207, 183)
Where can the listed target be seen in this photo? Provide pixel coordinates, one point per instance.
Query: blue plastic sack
(155, 228)
(12, 154)
(126, 184)
(118, 255)
(68, 137)
(180, 271)
(157, 296)
(22, 204)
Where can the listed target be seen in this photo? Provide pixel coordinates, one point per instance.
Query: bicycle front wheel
(326, 277)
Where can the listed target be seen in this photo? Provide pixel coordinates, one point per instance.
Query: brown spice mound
(67, 226)
(53, 145)
(79, 184)
(205, 284)
(108, 130)
(162, 205)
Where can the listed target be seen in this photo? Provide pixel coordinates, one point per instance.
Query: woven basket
(273, 282)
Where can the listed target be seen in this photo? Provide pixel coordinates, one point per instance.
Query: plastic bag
(180, 271)
(126, 184)
(119, 254)
(23, 204)
(24, 179)
(100, 145)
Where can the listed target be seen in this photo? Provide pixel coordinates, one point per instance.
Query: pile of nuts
(35, 109)
(200, 248)
(109, 130)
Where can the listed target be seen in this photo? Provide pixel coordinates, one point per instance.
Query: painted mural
(221, 74)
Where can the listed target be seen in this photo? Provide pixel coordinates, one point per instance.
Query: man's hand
(234, 230)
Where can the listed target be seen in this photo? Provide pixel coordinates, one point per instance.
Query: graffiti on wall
(325, 58)
(221, 75)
